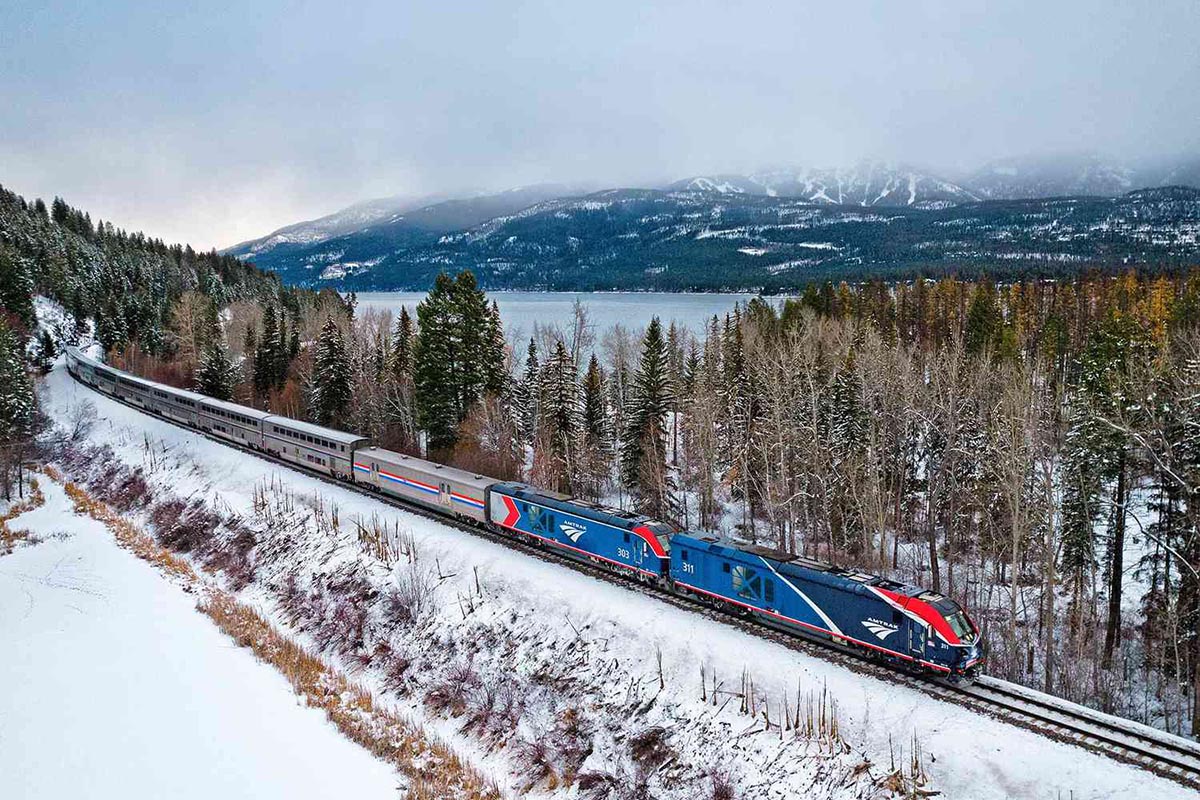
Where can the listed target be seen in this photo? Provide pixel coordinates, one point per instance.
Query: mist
(211, 124)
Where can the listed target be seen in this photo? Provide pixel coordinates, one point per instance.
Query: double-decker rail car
(177, 404)
(134, 390)
(445, 489)
(231, 421)
(620, 539)
(889, 620)
(311, 445)
(83, 368)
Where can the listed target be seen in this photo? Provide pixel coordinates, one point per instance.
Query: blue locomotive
(892, 622)
(903, 625)
(619, 539)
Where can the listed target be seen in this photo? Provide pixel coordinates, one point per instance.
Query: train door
(374, 473)
(916, 639)
(444, 494)
(640, 551)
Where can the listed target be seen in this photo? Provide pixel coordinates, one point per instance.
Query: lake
(521, 310)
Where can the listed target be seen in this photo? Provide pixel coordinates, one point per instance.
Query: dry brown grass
(129, 535)
(435, 771)
(10, 536)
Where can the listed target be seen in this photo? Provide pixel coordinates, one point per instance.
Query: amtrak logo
(880, 629)
(573, 530)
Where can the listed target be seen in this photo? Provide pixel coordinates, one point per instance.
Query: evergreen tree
(17, 402)
(525, 396)
(402, 346)
(560, 420)
(643, 446)
(16, 286)
(474, 330)
(597, 446)
(436, 375)
(332, 375)
(984, 325)
(45, 351)
(266, 355)
(496, 376)
(216, 375)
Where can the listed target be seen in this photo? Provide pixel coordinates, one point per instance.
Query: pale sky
(214, 122)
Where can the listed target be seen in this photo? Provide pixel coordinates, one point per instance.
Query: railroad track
(1166, 755)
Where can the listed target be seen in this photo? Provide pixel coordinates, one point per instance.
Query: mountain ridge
(889, 219)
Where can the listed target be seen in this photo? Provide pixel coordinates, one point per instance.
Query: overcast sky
(212, 124)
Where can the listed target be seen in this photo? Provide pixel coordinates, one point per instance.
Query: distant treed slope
(357, 238)
(127, 281)
(645, 239)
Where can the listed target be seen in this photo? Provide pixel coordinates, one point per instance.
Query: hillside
(660, 239)
(127, 281)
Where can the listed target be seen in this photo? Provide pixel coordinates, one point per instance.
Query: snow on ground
(115, 686)
(967, 755)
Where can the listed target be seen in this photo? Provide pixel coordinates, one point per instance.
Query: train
(906, 627)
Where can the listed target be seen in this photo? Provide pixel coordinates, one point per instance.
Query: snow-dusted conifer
(332, 375)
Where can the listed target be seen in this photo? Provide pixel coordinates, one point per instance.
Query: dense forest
(1030, 447)
(129, 285)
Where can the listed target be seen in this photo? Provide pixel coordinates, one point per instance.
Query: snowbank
(114, 686)
(560, 637)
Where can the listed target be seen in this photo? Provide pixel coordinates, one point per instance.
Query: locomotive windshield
(961, 626)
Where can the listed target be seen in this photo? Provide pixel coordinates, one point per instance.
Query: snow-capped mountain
(869, 183)
(404, 216)
(1056, 176)
(347, 220)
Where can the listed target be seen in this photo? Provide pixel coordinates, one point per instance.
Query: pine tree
(597, 446)
(332, 375)
(16, 286)
(526, 394)
(559, 421)
(496, 375)
(17, 402)
(267, 356)
(436, 375)
(45, 351)
(216, 375)
(18, 405)
(643, 445)
(402, 346)
(474, 332)
(984, 325)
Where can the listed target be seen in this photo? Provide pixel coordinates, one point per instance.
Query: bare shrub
(450, 695)
(81, 419)
(409, 598)
(722, 785)
(536, 762)
(395, 673)
(650, 749)
(596, 785)
(185, 527)
(574, 743)
(128, 492)
(232, 555)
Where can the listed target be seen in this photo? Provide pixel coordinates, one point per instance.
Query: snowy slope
(116, 687)
(868, 183)
(601, 639)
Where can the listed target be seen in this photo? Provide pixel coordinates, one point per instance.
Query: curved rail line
(1159, 752)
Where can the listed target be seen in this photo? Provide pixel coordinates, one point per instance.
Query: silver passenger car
(446, 489)
(311, 445)
(231, 421)
(177, 404)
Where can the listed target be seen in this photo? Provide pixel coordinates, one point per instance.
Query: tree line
(1029, 448)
